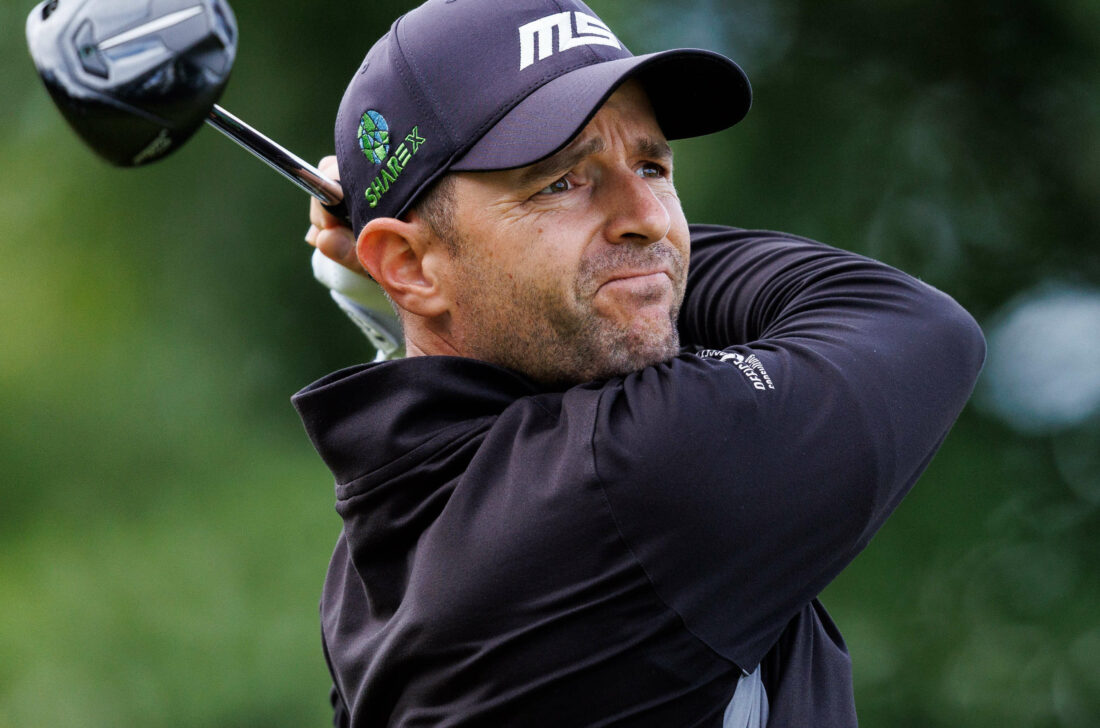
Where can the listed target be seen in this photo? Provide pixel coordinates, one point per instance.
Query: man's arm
(746, 479)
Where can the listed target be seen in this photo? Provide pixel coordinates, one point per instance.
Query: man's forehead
(629, 111)
(631, 100)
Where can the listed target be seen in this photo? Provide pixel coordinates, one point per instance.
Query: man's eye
(561, 185)
(654, 171)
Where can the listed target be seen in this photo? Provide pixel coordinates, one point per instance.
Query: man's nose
(636, 213)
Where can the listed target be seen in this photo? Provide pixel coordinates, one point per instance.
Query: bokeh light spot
(1043, 370)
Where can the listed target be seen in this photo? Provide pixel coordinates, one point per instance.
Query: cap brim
(693, 92)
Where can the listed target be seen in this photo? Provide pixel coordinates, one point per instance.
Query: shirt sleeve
(746, 478)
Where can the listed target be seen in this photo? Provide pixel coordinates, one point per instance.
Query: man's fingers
(318, 215)
(328, 233)
(339, 244)
(322, 218)
(328, 167)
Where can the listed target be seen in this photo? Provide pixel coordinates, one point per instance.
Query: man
(604, 488)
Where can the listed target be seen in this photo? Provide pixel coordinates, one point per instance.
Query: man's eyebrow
(553, 167)
(656, 149)
(563, 161)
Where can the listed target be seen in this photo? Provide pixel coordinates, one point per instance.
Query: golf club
(136, 80)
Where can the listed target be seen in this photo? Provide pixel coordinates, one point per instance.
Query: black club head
(134, 78)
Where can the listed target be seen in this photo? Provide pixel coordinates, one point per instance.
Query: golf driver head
(134, 78)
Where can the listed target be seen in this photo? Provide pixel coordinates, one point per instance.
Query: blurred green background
(165, 524)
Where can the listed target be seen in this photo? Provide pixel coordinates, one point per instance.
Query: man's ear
(400, 257)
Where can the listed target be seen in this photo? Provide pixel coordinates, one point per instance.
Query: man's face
(573, 268)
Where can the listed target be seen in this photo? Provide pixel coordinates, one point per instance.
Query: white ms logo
(574, 29)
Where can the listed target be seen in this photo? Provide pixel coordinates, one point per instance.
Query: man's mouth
(638, 283)
(627, 273)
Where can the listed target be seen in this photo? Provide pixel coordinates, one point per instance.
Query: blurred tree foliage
(165, 525)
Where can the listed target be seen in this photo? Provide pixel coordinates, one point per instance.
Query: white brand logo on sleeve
(750, 366)
(536, 39)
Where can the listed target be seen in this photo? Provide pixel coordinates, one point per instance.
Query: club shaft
(282, 160)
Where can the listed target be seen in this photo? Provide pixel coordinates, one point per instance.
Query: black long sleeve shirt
(622, 551)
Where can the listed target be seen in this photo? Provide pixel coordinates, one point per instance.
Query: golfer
(624, 454)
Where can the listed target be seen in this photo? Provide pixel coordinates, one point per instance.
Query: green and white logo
(395, 165)
(374, 136)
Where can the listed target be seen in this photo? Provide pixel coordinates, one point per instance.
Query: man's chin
(585, 348)
(637, 349)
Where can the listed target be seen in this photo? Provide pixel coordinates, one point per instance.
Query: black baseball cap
(479, 85)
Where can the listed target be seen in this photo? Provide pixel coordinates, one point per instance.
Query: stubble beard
(532, 330)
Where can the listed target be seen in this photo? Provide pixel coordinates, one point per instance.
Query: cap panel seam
(589, 57)
(504, 108)
(507, 107)
(410, 77)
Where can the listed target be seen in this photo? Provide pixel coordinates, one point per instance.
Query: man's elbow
(965, 340)
(954, 338)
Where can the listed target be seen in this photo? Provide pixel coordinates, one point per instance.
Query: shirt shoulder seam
(626, 542)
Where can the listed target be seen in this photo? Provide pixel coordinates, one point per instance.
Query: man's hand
(328, 233)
